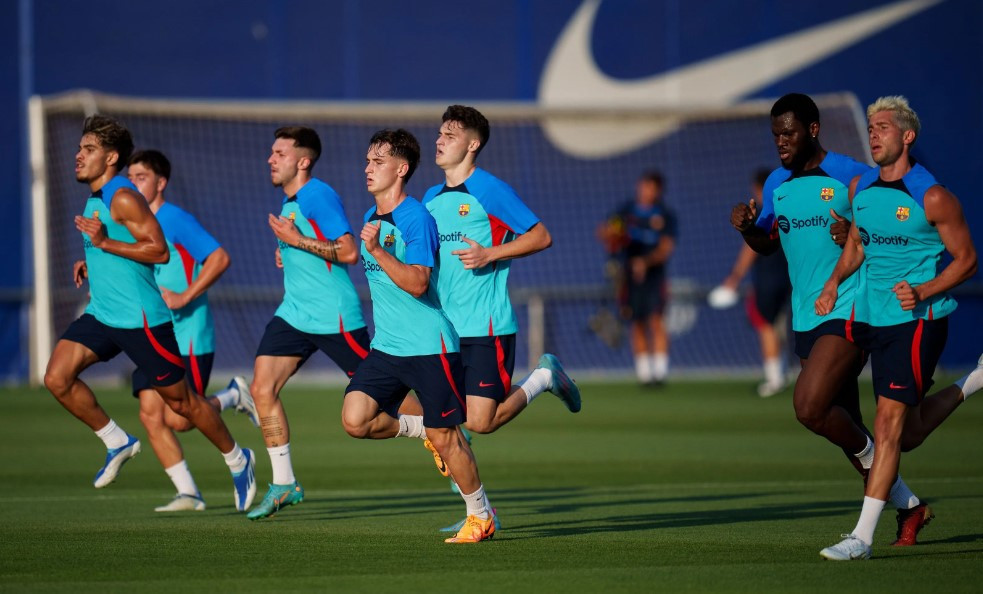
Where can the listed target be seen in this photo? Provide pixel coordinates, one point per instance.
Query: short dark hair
(470, 119)
(154, 160)
(761, 176)
(402, 144)
(802, 107)
(303, 137)
(653, 176)
(112, 135)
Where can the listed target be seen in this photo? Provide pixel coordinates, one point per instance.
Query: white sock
(536, 383)
(660, 366)
(227, 398)
(869, 515)
(901, 496)
(643, 368)
(866, 455)
(235, 459)
(476, 503)
(773, 371)
(181, 477)
(972, 382)
(112, 436)
(283, 470)
(411, 426)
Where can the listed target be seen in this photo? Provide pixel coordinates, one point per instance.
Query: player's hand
(474, 256)
(80, 272)
(840, 230)
(174, 301)
(638, 269)
(743, 216)
(907, 295)
(278, 259)
(285, 230)
(370, 236)
(93, 228)
(827, 299)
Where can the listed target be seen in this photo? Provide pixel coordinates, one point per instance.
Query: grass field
(697, 487)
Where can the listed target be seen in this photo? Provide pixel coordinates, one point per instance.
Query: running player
(799, 201)
(126, 313)
(320, 308)
(196, 262)
(903, 221)
(415, 346)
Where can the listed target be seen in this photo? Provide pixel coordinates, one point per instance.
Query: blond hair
(904, 116)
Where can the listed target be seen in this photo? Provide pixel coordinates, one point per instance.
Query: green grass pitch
(701, 486)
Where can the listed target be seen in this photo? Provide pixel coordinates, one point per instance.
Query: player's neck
(293, 186)
(896, 170)
(156, 203)
(817, 158)
(96, 184)
(459, 173)
(388, 200)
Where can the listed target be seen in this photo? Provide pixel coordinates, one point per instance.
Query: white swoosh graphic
(571, 78)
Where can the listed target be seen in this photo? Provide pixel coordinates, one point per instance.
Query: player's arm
(745, 259)
(536, 239)
(412, 278)
(130, 210)
(743, 217)
(850, 260)
(341, 250)
(943, 210)
(214, 266)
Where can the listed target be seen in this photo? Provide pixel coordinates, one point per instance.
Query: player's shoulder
(432, 192)
(411, 212)
(777, 177)
(867, 179)
(483, 184)
(118, 186)
(315, 189)
(369, 214)
(918, 181)
(843, 168)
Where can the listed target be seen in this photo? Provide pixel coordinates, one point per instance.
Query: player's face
(144, 178)
(647, 192)
(92, 159)
(284, 160)
(382, 170)
(886, 138)
(453, 144)
(791, 139)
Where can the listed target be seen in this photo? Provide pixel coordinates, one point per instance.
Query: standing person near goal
(196, 261)
(768, 300)
(415, 346)
(320, 308)
(648, 227)
(903, 221)
(126, 312)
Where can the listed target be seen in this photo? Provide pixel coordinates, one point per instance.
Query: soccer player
(196, 261)
(799, 201)
(415, 346)
(126, 312)
(903, 221)
(650, 238)
(320, 308)
(768, 299)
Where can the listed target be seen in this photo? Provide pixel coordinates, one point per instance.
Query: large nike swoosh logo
(572, 79)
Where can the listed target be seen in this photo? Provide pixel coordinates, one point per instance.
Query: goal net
(218, 150)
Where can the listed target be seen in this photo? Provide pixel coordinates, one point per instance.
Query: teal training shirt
(899, 244)
(319, 297)
(798, 204)
(405, 325)
(486, 210)
(122, 292)
(189, 245)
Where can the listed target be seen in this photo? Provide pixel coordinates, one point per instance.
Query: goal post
(219, 149)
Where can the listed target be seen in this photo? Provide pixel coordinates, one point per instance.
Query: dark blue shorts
(199, 371)
(153, 350)
(346, 349)
(649, 297)
(488, 363)
(903, 358)
(856, 332)
(437, 380)
(767, 300)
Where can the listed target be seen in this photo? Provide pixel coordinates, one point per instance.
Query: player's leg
(373, 398)
(763, 308)
(657, 296)
(936, 408)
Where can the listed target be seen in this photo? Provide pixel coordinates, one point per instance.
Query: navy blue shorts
(437, 380)
(856, 332)
(649, 297)
(903, 358)
(152, 349)
(766, 301)
(346, 349)
(488, 363)
(199, 371)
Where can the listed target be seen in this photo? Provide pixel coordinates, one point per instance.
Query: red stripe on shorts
(195, 372)
(500, 357)
(916, 356)
(849, 324)
(450, 376)
(753, 315)
(352, 343)
(171, 357)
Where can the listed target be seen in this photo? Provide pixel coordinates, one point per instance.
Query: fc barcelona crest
(464, 209)
(903, 213)
(390, 240)
(826, 194)
(293, 216)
